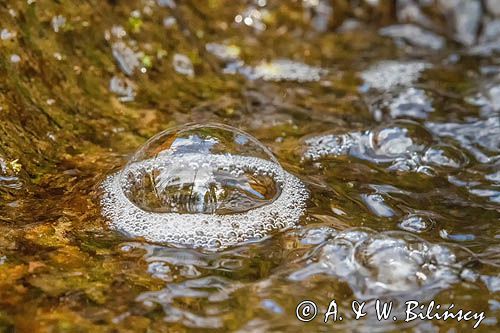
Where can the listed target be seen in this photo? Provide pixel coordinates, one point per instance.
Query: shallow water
(389, 114)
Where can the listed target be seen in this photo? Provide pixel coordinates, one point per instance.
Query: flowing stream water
(366, 164)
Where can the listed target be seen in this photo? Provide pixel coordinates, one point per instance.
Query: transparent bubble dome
(203, 186)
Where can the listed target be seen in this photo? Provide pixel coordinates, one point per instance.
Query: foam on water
(277, 70)
(387, 75)
(402, 145)
(189, 187)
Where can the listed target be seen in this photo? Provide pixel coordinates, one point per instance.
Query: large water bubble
(202, 185)
(193, 170)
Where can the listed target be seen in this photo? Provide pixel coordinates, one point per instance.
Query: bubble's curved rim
(191, 126)
(218, 231)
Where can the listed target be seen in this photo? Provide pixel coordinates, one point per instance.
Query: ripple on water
(410, 103)
(416, 223)
(480, 137)
(202, 186)
(386, 264)
(389, 90)
(212, 289)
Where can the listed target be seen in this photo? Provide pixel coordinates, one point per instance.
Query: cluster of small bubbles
(203, 186)
(386, 264)
(277, 70)
(387, 75)
(183, 65)
(330, 145)
(403, 145)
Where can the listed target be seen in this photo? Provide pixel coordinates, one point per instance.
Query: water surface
(389, 112)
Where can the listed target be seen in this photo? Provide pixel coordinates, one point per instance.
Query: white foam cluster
(398, 147)
(330, 145)
(286, 70)
(387, 75)
(205, 230)
(398, 154)
(277, 70)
